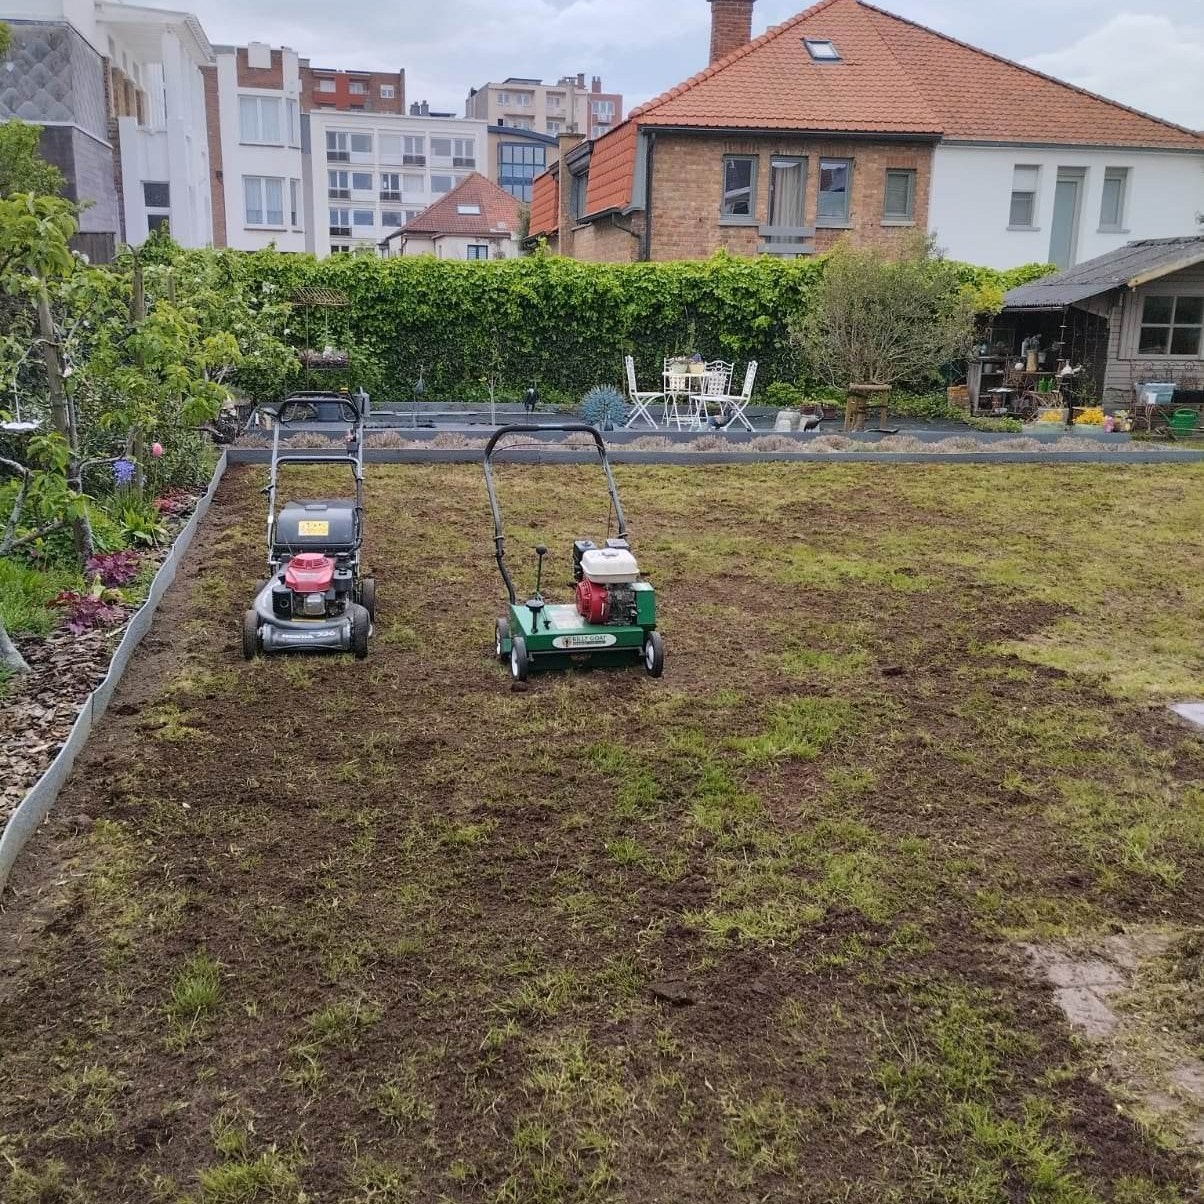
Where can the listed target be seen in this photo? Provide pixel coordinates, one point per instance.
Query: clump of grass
(342, 1024)
(269, 1179)
(398, 1100)
(46, 1185)
(764, 1132)
(375, 1182)
(798, 731)
(88, 1096)
(170, 724)
(196, 993)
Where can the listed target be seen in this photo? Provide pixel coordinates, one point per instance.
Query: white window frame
(292, 115)
(357, 181)
(356, 214)
(390, 186)
(338, 183)
(413, 150)
(259, 185)
(388, 91)
(336, 223)
(357, 87)
(258, 104)
(294, 200)
(326, 84)
(464, 152)
(1134, 321)
(441, 175)
(476, 246)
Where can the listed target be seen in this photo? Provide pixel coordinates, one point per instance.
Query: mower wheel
(361, 626)
(250, 635)
(654, 654)
(501, 638)
(367, 596)
(520, 665)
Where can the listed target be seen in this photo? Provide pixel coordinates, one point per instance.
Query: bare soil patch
(390, 931)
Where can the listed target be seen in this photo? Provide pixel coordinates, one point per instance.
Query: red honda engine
(593, 602)
(309, 573)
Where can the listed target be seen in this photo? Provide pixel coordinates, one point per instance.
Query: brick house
(847, 121)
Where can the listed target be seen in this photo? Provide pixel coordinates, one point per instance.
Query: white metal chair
(639, 400)
(715, 385)
(734, 404)
(677, 388)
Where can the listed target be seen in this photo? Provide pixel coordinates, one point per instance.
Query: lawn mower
(613, 616)
(315, 599)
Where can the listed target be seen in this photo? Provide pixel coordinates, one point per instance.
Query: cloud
(1148, 62)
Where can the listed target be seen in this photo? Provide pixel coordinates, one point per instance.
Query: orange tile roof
(978, 95)
(612, 169)
(498, 211)
(545, 204)
(894, 77)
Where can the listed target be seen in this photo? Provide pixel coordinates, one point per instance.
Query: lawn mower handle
(499, 540)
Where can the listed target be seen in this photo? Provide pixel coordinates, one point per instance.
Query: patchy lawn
(337, 932)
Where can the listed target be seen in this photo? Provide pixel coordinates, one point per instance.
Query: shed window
(1172, 326)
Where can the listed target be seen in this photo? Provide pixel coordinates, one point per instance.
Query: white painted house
(259, 156)
(119, 93)
(370, 173)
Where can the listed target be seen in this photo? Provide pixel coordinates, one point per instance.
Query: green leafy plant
(884, 321)
(140, 523)
(783, 396)
(996, 425)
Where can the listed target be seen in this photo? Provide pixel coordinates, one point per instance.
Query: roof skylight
(468, 210)
(822, 50)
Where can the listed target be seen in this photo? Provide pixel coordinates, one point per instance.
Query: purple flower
(123, 471)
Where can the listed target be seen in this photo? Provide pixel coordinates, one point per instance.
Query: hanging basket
(329, 358)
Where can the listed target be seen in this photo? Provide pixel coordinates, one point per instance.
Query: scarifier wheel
(520, 665)
(250, 635)
(501, 635)
(654, 654)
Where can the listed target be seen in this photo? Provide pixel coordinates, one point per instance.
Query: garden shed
(1132, 319)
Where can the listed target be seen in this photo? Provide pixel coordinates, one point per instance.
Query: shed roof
(1134, 264)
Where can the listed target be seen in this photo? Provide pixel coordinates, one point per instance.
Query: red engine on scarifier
(309, 573)
(593, 602)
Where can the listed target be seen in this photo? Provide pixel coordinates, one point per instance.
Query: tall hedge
(545, 320)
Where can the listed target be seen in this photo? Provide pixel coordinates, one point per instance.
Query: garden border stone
(33, 809)
(620, 455)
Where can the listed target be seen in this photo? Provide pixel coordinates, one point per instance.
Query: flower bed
(38, 709)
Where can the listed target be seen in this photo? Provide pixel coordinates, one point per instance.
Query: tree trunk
(62, 414)
(10, 659)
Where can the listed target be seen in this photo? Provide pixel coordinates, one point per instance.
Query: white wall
(972, 192)
(80, 13)
(172, 147)
(323, 120)
(241, 159)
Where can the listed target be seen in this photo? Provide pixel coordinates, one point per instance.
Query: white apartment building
(262, 176)
(370, 173)
(569, 106)
(119, 92)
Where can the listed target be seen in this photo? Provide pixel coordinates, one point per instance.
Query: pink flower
(156, 450)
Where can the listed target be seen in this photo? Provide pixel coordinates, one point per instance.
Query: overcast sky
(1146, 53)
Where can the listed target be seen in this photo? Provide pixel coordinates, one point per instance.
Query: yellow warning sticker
(309, 526)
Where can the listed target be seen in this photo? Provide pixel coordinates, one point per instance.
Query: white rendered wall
(241, 159)
(323, 120)
(972, 192)
(80, 13)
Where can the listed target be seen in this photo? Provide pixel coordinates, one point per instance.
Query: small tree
(880, 321)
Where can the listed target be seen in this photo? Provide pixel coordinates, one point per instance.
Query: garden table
(691, 390)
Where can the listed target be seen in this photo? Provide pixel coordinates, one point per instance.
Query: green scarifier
(614, 616)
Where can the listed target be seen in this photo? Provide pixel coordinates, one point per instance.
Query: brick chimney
(731, 26)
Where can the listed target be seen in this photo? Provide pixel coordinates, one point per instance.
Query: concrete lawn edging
(33, 809)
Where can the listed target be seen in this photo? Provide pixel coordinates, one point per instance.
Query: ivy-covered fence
(562, 325)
